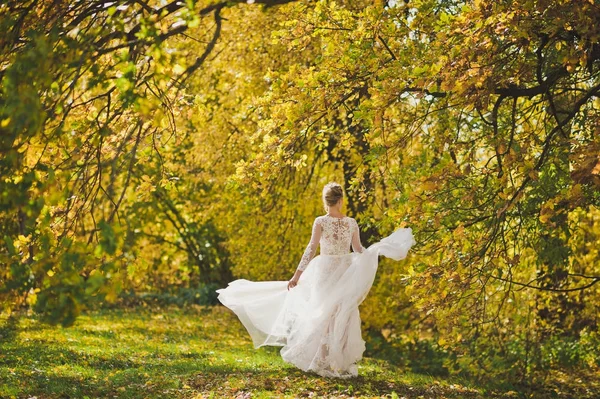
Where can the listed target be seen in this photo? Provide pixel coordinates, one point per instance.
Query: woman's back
(336, 234)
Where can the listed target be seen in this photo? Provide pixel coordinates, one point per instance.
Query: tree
(90, 91)
(479, 123)
(148, 146)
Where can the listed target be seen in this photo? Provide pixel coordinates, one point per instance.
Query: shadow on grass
(290, 381)
(44, 354)
(9, 329)
(144, 355)
(65, 372)
(58, 372)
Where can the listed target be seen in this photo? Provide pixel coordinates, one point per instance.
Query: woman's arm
(356, 244)
(309, 253)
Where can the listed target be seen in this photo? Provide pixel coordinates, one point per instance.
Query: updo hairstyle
(332, 193)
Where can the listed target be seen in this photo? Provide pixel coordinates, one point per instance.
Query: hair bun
(332, 193)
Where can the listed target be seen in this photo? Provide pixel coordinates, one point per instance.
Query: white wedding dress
(317, 322)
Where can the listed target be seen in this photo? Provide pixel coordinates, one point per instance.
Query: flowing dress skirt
(317, 323)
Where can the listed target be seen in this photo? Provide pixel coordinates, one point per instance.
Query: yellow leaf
(178, 69)
(533, 174)
(459, 231)
(576, 191)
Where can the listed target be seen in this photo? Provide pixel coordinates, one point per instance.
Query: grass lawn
(194, 353)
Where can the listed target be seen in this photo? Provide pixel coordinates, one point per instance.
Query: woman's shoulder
(327, 217)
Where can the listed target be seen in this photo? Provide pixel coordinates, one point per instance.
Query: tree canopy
(150, 144)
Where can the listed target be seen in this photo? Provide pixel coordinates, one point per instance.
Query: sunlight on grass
(197, 352)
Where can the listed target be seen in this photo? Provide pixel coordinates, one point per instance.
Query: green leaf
(108, 241)
(10, 245)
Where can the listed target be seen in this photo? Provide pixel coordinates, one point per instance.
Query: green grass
(192, 353)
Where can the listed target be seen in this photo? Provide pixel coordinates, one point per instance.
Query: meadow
(200, 352)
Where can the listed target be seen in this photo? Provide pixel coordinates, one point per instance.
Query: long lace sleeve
(311, 248)
(356, 244)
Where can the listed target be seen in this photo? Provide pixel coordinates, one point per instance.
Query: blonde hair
(332, 193)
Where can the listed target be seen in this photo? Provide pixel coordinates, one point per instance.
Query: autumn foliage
(146, 146)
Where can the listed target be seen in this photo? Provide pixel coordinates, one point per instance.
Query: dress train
(317, 323)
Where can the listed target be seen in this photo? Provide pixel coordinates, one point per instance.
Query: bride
(315, 316)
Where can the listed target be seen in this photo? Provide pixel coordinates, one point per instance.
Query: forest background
(155, 150)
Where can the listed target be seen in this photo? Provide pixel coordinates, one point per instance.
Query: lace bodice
(335, 235)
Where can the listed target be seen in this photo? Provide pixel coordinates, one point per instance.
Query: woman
(315, 315)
